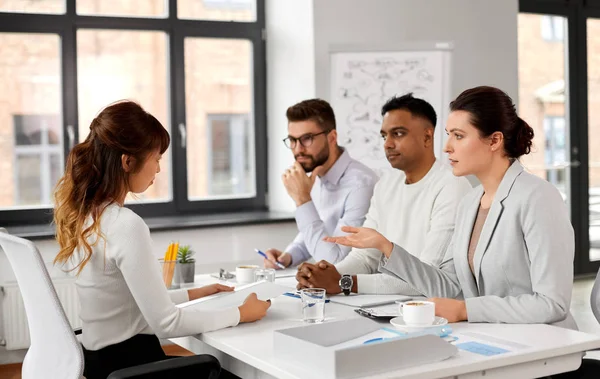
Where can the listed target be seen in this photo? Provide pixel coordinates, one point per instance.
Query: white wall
(484, 34)
(290, 79)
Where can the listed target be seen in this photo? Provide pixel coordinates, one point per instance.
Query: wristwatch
(346, 283)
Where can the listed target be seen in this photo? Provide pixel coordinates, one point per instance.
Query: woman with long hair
(124, 302)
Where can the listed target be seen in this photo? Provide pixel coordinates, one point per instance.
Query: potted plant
(185, 264)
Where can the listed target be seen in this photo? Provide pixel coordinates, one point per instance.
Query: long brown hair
(94, 177)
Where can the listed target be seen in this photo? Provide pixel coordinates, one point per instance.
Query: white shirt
(419, 216)
(341, 197)
(122, 293)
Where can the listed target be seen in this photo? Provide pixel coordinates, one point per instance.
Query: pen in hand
(265, 256)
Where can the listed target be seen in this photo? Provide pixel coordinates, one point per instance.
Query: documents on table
(483, 344)
(264, 291)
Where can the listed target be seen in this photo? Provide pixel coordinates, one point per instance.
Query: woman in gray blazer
(511, 255)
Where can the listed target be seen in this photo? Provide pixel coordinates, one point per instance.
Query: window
(32, 6)
(224, 10)
(113, 65)
(129, 8)
(38, 158)
(220, 139)
(199, 73)
(31, 132)
(552, 28)
(230, 172)
(229, 4)
(560, 99)
(555, 152)
(542, 100)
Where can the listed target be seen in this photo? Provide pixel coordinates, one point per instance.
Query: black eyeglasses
(305, 140)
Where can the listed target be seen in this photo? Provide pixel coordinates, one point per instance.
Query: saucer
(398, 323)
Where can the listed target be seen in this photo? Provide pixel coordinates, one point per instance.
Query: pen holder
(168, 272)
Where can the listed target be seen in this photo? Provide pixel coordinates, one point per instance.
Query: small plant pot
(185, 272)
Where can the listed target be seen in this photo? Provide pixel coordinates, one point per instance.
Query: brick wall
(542, 62)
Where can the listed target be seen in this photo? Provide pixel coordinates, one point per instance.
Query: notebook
(264, 291)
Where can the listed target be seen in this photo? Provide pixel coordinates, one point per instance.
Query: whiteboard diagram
(361, 83)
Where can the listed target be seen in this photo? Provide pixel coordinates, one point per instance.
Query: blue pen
(375, 340)
(265, 255)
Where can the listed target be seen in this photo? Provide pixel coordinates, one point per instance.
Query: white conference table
(247, 350)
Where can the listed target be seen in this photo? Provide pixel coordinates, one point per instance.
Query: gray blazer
(523, 261)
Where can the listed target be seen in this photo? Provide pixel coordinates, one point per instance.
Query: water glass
(313, 305)
(267, 274)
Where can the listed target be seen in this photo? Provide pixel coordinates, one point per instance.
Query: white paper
(264, 291)
(287, 273)
(488, 340)
(290, 282)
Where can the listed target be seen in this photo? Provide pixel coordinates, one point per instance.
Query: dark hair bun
(522, 141)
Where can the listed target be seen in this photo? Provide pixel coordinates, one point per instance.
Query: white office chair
(595, 298)
(590, 368)
(55, 352)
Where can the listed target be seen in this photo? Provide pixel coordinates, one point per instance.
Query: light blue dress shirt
(340, 197)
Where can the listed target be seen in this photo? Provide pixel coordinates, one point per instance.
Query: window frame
(231, 119)
(576, 13)
(550, 126)
(66, 26)
(44, 151)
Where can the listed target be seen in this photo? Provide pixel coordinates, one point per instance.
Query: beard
(314, 161)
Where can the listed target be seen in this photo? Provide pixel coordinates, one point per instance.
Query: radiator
(16, 330)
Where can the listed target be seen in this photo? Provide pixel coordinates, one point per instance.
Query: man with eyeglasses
(337, 192)
(413, 205)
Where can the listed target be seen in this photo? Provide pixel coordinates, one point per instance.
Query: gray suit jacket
(523, 261)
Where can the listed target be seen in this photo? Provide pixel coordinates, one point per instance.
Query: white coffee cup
(245, 273)
(417, 313)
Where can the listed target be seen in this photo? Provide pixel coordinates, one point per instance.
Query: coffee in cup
(245, 273)
(417, 313)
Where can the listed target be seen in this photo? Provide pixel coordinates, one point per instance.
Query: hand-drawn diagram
(361, 83)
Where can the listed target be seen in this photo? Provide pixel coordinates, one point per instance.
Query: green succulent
(185, 254)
